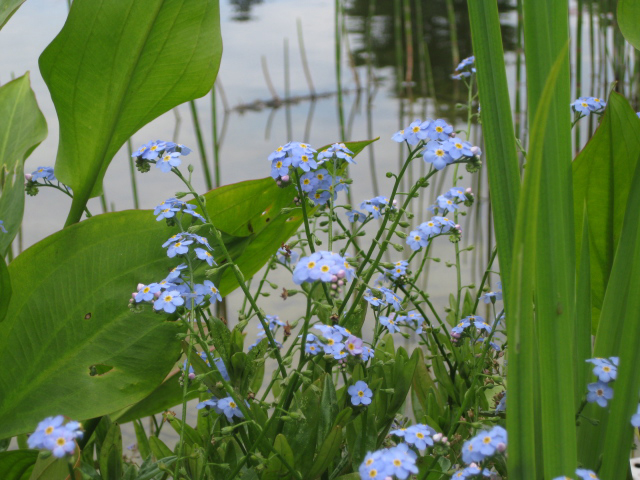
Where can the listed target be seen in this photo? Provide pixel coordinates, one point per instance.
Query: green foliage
(627, 16)
(5, 288)
(602, 181)
(17, 464)
(7, 9)
(129, 63)
(68, 313)
(498, 131)
(110, 459)
(22, 129)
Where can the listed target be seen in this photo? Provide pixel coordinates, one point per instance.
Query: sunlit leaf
(7, 9)
(628, 14)
(114, 67)
(22, 129)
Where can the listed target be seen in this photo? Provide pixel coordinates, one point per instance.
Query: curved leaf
(602, 180)
(69, 313)
(17, 464)
(22, 129)
(114, 67)
(628, 14)
(7, 9)
(5, 288)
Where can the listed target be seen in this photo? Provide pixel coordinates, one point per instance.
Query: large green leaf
(628, 14)
(5, 288)
(22, 129)
(69, 313)
(114, 67)
(497, 127)
(602, 180)
(7, 9)
(17, 464)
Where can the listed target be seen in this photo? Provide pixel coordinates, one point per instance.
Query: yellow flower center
(310, 265)
(279, 164)
(324, 268)
(397, 462)
(420, 435)
(232, 404)
(168, 298)
(458, 146)
(439, 152)
(417, 238)
(486, 440)
(373, 473)
(304, 158)
(49, 430)
(439, 129)
(61, 441)
(415, 129)
(146, 290)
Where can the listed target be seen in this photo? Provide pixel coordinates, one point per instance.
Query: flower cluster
(273, 323)
(606, 369)
(47, 176)
(452, 199)
(376, 207)
(465, 68)
(484, 445)
(583, 474)
(585, 106)
(426, 231)
(166, 155)
(399, 269)
(419, 435)
(493, 297)
(338, 342)
(226, 405)
(325, 267)
(419, 131)
(442, 153)
(52, 435)
(319, 184)
(169, 208)
(398, 461)
(382, 297)
(217, 360)
(412, 320)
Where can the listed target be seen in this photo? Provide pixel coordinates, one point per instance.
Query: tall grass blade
(546, 30)
(522, 376)
(583, 315)
(497, 126)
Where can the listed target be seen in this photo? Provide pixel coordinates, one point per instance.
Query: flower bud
(334, 278)
(285, 178)
(28, 177)
(475, 150)
(156, 295)
(340, 282)
(468, 190)
(501, 447)
(334, 286)
(341, 274)
(437, 437)
(140, 286)
(192, 376)
(133, 295)
(455, 335)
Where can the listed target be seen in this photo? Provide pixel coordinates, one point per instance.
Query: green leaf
(497, 126)
(276, 469)
(158, 448)
(114, 67)
(529, 251)
(7, 9)
(111, 454)
(69, 313)
(583, 317)
(628, 14)
(328, 408)
(330, 448)
(143, 441)
(620, 325)
(166, 395)
(5, 288)
(191, 436)
(22, 129)
(17, 464)
(602, 180)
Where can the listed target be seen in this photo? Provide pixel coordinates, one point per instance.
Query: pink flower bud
(341, 273)
(437, 437)
(468, 190)
(334, 286)
(457, 227)
(445, 440)
(340, 282)
(296, 199)
(133, 295)
(452, 134)
(475, 150)
(140, 286)
(285, 178)
(455, 335)
(501, 447)
(28, 176)
(156, 295)
(192, 376)
(334, 278)
(473, 465)
(278, 182)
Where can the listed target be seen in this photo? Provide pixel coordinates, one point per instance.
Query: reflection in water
(242, 9)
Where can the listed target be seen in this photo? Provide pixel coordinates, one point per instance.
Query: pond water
(381, 94)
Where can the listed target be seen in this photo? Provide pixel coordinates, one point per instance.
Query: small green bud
(227, 430)
(398, 248)
(181, 194)
(389, 174)
(404, 224)
(401, 234)
(190, 168)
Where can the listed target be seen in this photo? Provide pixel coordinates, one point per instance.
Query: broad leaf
(22, 129)
(602, 179)
(7, 9)
(114, 67)
(68, 318)
(17, 464)
(628, 14)
(5, 288)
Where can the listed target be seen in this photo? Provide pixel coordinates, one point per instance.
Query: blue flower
(399, 269)
(174, 238)
(502, 404)
(372, 299)
(213, 291)
(321, 265)
(430, 228)
(585, 474)
(605, 369)
(175, 272)
(287, 256)
(312, 348)
(420, 436)
(202, 254)
(484, 445)
(43, 172)
(456, 192)
(168, 301)
(457, 148)
(2, 229)
(280, 167)
(390, 323)
(374, 466)
(439, 130)
(153, 150)
(635, 418)
(467, 62)
(391, 298)
(339, 150)
(211, 403)
(401, 461)
(168, 161)
(229, 407)
(367, 353)
(437, 155)
(145, 293)
(355, 216)
(491, 297)
(416, 240)
(445, 223)
(600, 393)
(399, 136)
(179, 248)
(446, 203)
(416, 132)
(44, 429)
